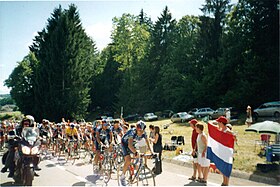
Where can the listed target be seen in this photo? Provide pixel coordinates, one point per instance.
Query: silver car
(268, 109)
(150, 117)
(181, 117)
(202, 112)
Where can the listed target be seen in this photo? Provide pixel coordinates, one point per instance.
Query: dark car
(167, 113)
(132, 117)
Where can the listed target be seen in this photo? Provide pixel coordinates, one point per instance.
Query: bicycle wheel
(145, 177)
(128, 176)
(106, 170)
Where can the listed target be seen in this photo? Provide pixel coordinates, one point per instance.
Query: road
(58, 173)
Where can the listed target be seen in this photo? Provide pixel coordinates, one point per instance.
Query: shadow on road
(93, 178)
(79, 184)
(193, 183)
(9, 184)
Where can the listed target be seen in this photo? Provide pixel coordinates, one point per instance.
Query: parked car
(181, 117)
(110, 119)
(202, 112)
(167, 113)
(132, 117)
(217, 113)
(192, 111)
(268, 109)
(150, 117)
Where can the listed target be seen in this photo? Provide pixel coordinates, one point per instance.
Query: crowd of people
(107, 133)
(94, 135)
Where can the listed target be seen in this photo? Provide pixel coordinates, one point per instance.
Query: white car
(150, 117)
(181, 117)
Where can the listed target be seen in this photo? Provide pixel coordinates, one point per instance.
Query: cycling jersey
(104, 134)
(132, 133)
(116, 130)
(57, 132)
(71, 131)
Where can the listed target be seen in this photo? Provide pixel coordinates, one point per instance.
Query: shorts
(97, 145)
(195, 160)
(126, 151)
(203, 161)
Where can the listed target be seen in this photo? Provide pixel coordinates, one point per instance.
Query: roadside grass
(246, 156)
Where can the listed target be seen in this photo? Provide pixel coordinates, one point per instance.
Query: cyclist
(45, 130)
(103, 135)
(58, 135)
(117, 130)
(128, 140)
(72, 133)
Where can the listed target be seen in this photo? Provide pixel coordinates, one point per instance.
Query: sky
(21, 20)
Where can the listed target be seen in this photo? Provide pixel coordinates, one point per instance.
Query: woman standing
(157, 147)
(203, 162)
(249, 119)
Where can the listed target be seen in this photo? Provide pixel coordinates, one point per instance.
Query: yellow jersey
(71, 132)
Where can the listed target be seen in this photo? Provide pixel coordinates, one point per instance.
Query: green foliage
(229, 56)
(6, 100)
(56, 83)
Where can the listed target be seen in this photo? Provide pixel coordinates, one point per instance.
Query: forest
(229, 56)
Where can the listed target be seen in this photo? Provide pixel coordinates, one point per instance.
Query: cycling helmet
(58, 125)
(141, 125)
(72, 125)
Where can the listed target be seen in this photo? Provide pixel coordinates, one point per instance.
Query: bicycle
(87, 153)
(106, 159)
(118, 156)
(72, 151)
(143, 175)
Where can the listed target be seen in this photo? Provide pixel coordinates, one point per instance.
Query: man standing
(192, 123)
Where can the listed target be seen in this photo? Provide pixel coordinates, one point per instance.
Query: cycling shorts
(126, 151)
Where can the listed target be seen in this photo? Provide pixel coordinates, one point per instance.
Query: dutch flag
(220, 149)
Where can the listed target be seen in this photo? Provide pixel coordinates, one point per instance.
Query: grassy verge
(247, 155)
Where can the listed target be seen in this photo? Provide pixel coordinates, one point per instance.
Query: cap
(193, 121)
(222, 119)
(248, 107)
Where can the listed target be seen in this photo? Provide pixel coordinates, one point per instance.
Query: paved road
(58, 173)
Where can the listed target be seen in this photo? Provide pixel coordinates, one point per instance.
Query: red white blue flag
(220, 149)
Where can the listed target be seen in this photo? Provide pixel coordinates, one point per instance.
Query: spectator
(249, 119)
(157, 147)
(222, 125)
(227, 114)
(203, 162)
(192, 123)
(152, 133)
